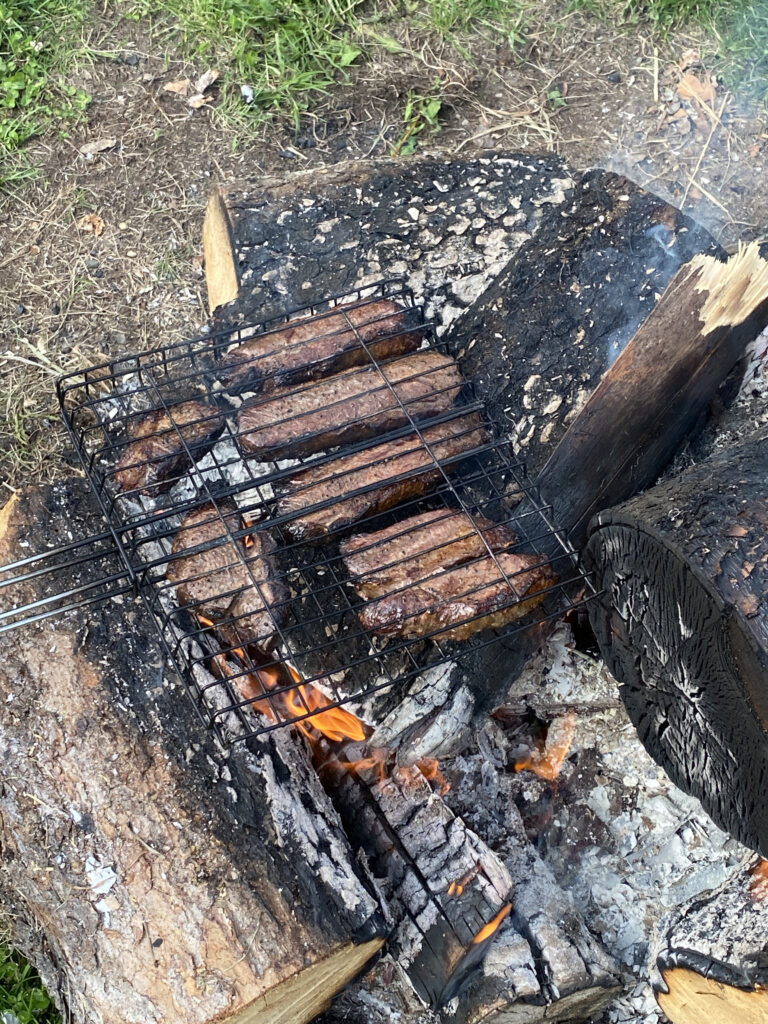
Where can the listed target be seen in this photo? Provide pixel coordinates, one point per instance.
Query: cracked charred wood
(150, 877)
(682, 623)
(659, 389)
(538, 340)
(479, 936)
(713, 956)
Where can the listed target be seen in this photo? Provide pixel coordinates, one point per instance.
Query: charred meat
(233, 584)
(349, 406)
(164, 443)
(389, 473)
(415, 548)
(314, 347)
(454, 605)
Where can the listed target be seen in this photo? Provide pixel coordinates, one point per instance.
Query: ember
(758, 885)
(492, 926)
(547, 762)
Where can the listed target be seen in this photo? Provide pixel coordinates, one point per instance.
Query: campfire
(380, 537)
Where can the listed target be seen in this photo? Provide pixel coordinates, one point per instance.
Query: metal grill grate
(231, 532)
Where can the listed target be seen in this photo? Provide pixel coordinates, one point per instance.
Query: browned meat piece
(334, 481)
(458, 603)
(156, 455)
(348, 407)
(388, 559)
(216, 584)
(313, 347)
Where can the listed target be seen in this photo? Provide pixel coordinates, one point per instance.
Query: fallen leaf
(206, 80)
(97, 146)
(198, 100)
(180, 88)
(695, 194)
(754, 150)
(91, 222)
(702, 89)
(689, 59)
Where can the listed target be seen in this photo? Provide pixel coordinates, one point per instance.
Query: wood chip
(206, 80)
(97, 146)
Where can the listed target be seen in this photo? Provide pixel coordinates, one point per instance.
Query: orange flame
(430, 769)
(457, 888)
(492, 926)
(758, 885)
(335, 724)
(248, 540)
(547, 762)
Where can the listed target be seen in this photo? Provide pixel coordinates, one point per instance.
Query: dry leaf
(198, 100)
(180, 88)
(754, 150)
(689, 59)
(692, 88)
(695, 194)
(206, 80)
(97, 146)
(91, 222)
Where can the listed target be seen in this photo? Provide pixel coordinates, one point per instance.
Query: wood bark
(682, 622)
(713, 955)
(151, 877)
(658, 390)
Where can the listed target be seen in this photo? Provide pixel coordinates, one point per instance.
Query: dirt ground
(102, 255)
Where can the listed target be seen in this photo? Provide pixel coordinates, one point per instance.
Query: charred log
(713, 958)
(538, 340)
(659, 388)
(682, 623)
(152, 878)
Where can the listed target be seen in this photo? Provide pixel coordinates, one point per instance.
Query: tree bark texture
(151, 877)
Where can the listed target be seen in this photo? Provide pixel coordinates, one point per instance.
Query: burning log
(480, 936)
(149, 877)
(713, 961)
(682, 623)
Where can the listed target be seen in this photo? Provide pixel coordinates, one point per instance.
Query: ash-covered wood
(713, 955)
(683, 625)
(480, 934)
(150, 877)
(659, 388)
(447, 226)
(542, 334)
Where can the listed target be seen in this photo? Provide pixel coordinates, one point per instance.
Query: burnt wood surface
(713, 954)
(682, 623)
(447, 889)
(150, 876)
(447, 226)
(543, 333)
(655, 394)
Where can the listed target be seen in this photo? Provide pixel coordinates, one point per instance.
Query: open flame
(547, 761)
(457, 888)
(492, 926)
(758, 883)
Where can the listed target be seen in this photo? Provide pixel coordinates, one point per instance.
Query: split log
(150, 877)
(480, 937)
(659, 388)
(713, 958)
(682, 622)
(541, 336)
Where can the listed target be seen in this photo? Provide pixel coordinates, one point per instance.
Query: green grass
(22, 992)
(291, 52)
(38, 39)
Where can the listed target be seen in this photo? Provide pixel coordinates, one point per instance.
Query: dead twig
(703, 152)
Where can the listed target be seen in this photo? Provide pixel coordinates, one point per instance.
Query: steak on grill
(410, 550)
(163, 444)
(348, 407)
(313, 347)
(462, 601)
(373, 468)
(215, 576)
